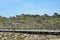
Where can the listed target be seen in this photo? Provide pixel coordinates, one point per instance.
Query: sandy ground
(22, 36)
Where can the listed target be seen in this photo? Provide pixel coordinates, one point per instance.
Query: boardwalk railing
(28, 29)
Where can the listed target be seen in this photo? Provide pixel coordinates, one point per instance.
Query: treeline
(32, 21)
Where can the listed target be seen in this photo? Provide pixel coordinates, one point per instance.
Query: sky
(17, 7)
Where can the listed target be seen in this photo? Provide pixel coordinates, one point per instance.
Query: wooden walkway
(29, 30)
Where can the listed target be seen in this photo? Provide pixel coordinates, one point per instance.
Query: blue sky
(16, 7)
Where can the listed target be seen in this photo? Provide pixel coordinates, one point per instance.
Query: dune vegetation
(31, 21)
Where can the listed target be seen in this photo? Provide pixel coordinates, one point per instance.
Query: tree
(55, 15)
(45, 15)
